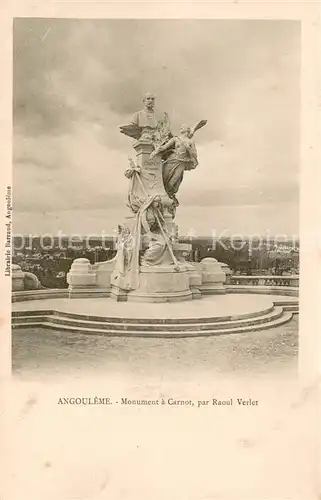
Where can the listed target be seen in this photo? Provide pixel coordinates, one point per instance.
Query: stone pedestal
(86, 280)
(151, 174)
(151, 170)
(17, 278)
(213, 277)
(81, 279)
(161, 284)
(81, 274)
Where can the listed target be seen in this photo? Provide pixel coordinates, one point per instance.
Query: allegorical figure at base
(149, 228)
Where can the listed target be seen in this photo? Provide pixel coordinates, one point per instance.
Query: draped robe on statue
(184, 157)
(126, 271)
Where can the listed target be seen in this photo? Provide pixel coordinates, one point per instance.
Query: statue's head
(123, 231)
(157, 202)
(149, 101)
(185, 130)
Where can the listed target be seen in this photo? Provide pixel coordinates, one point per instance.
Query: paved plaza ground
(43, 352)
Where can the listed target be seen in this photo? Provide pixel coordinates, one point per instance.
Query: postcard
(160, 298)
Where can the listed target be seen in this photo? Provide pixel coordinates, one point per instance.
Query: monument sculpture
(150, 261)
(161, 160)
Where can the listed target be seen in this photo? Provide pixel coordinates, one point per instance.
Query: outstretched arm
(163, 148)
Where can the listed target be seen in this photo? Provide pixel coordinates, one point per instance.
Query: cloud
(70, 172)
(76, 85)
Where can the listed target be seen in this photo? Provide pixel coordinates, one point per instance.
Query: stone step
(32, 313)
(146, 321)
(106, 323)
(37, 319)
(112, 326)
(291, 302)
(90, 329)
(293, 308)
(30, 323)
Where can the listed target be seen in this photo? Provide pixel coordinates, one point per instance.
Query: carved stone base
(86, 292)
(161, 284)
(118, 294)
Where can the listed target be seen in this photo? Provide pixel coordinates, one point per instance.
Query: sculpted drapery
(147, 223)
(183, 157)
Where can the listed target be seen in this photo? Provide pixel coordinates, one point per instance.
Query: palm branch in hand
(199, 125)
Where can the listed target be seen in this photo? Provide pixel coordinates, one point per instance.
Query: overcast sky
(76, 81)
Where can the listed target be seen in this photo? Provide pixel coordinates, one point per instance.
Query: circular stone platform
(212, 315)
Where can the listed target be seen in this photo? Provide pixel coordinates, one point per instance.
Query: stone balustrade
(291, 281)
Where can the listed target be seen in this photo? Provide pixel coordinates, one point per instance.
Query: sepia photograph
(160, 251)
(155, 218)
